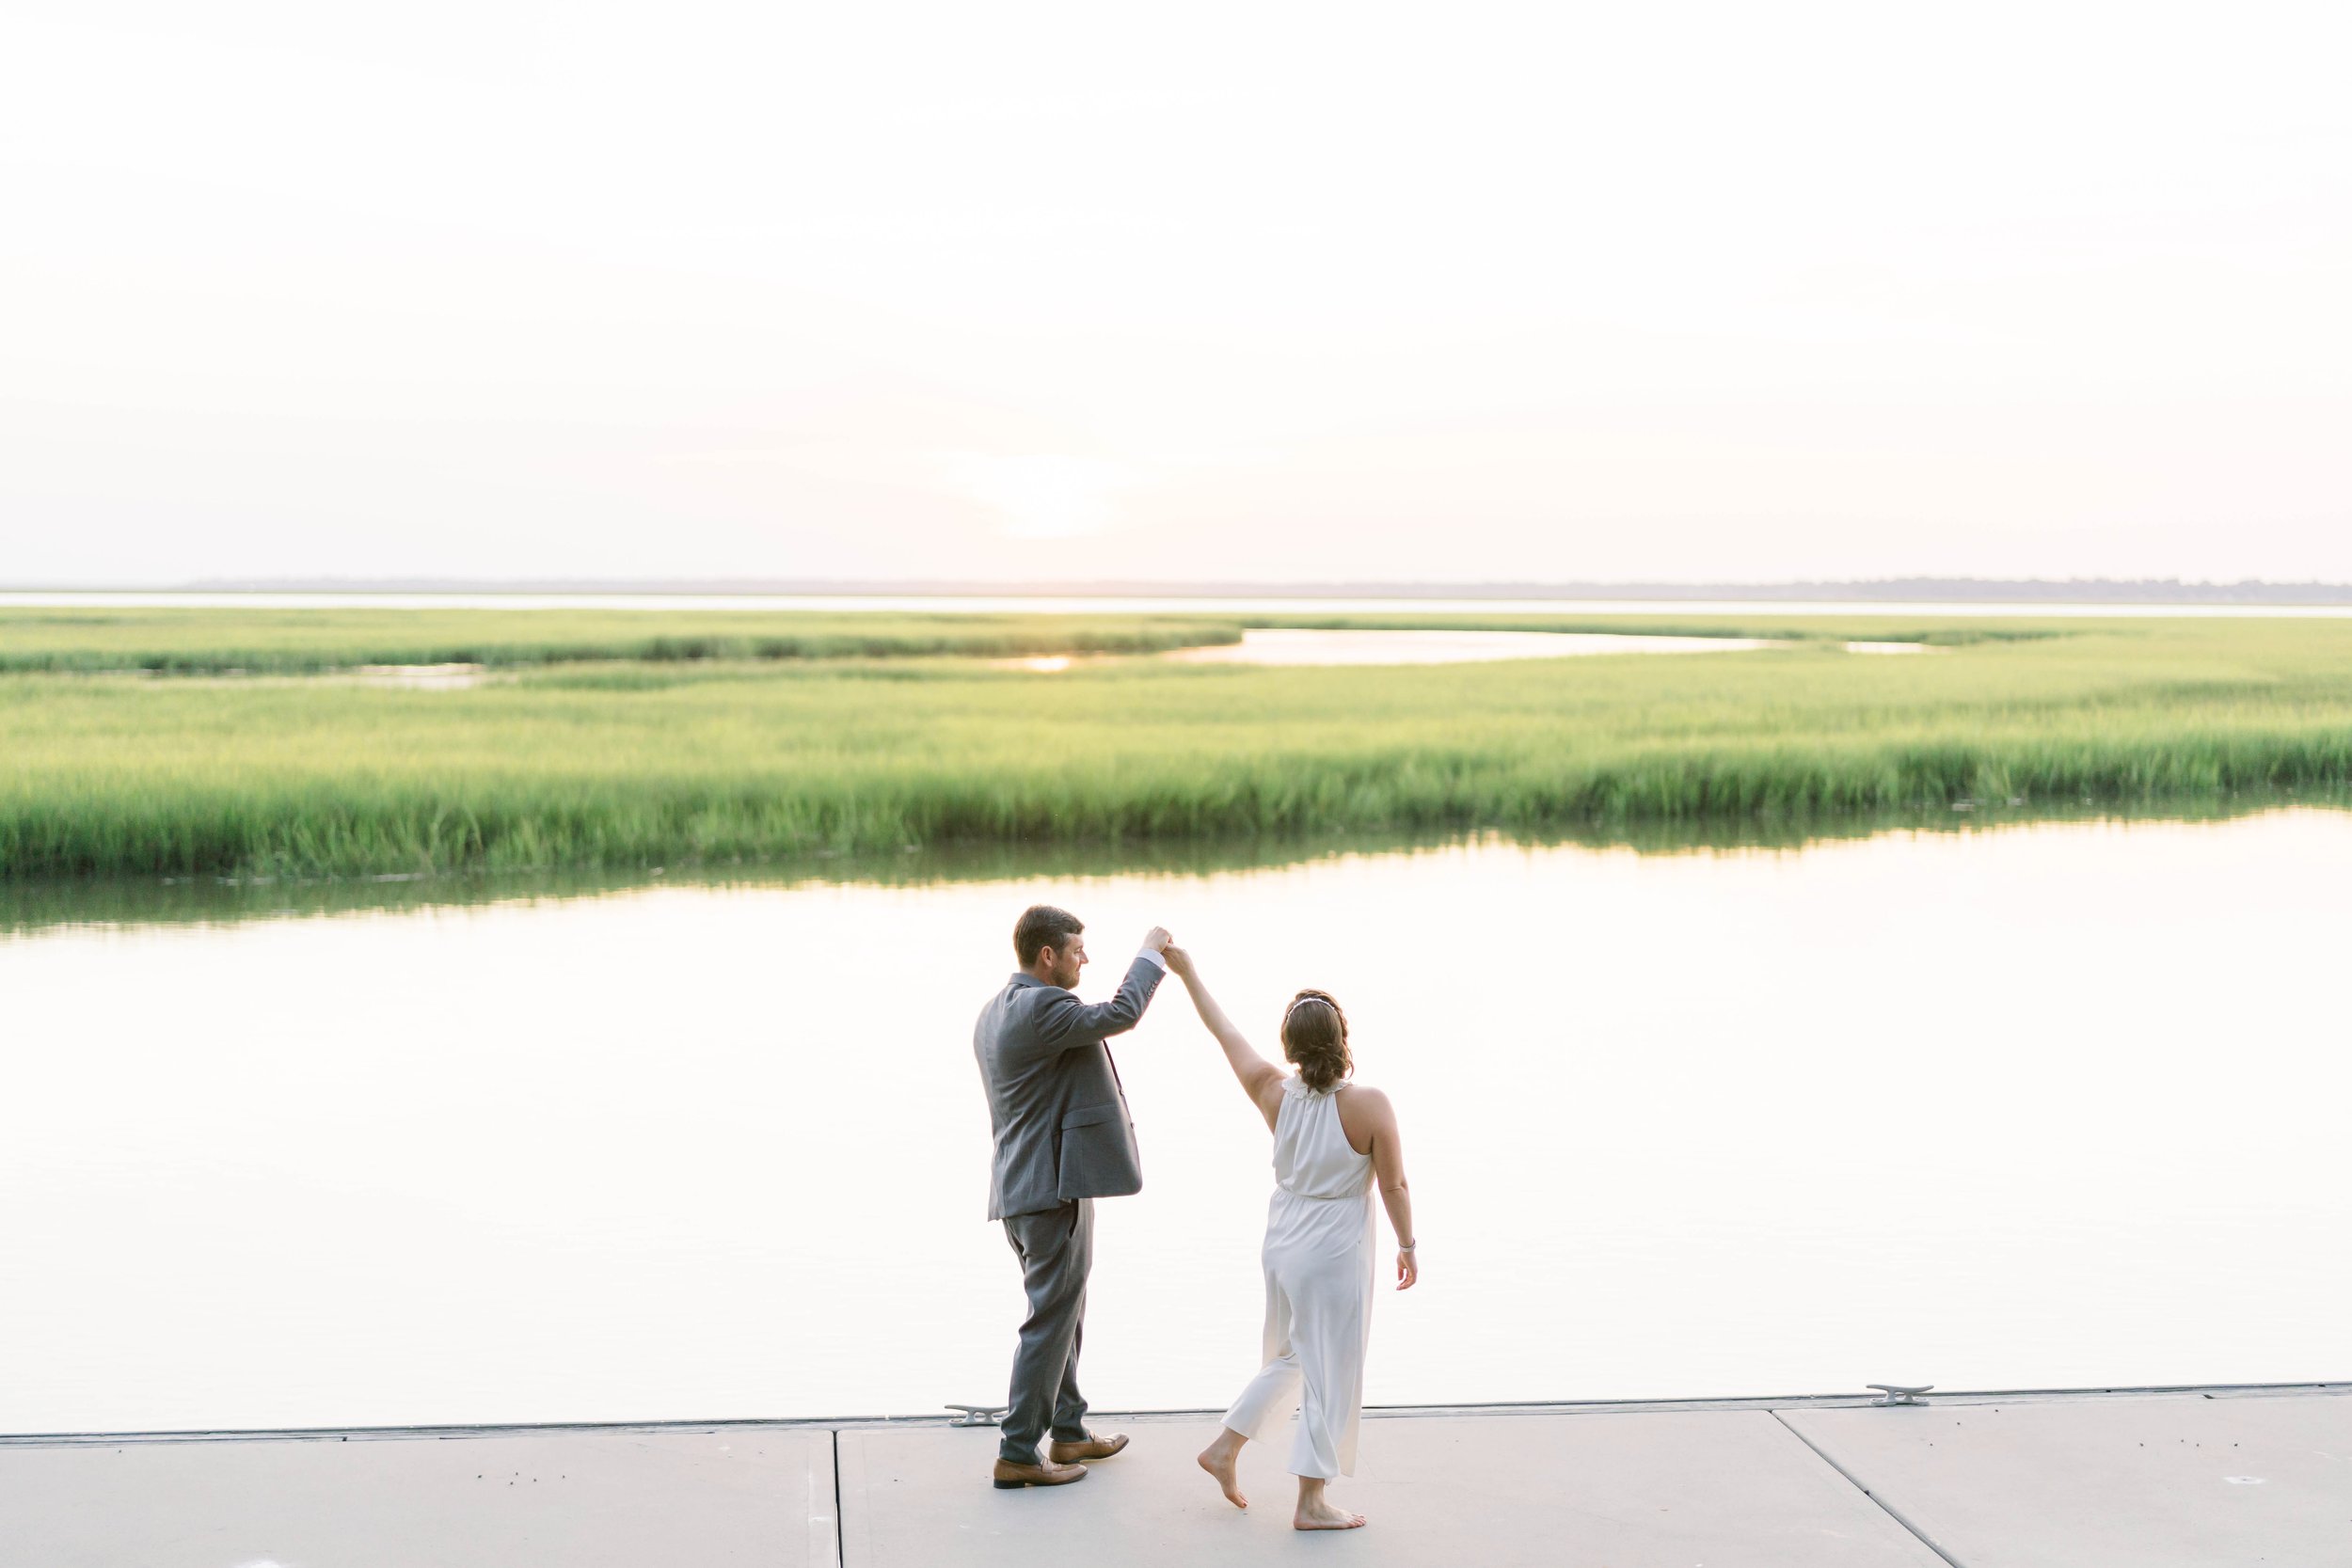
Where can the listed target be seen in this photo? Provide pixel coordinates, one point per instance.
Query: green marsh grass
(183, 640)
(711, 763)
(177, 640)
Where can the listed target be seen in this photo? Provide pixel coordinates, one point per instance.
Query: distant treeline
(2249, 590)
(2000, 591)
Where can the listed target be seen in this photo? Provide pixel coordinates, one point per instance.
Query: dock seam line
(1888, 1509)
(840, 1534)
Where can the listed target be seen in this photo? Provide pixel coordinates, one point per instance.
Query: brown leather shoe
(1093, 1447)
(1011, 1477)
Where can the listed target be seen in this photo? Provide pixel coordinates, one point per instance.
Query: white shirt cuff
(1153, 958)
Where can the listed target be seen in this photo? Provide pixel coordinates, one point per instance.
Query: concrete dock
(2132, 1479)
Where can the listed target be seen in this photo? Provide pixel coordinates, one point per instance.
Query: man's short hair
(1040, 927)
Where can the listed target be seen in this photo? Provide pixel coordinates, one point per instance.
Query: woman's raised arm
(1261, 1079)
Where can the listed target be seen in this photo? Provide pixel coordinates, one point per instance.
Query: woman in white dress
(1333, 1142)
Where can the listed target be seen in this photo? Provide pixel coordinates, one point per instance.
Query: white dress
(1318, 1287)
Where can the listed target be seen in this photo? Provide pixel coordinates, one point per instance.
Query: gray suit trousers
(1056, 1250)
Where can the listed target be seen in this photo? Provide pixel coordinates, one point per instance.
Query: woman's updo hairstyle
(1314, 1036)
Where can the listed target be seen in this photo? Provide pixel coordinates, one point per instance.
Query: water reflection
(1289, 645)
(29, 905)
(2024, 1107)
(1307, 646)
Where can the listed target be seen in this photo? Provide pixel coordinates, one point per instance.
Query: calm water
(1285, 645)
(2035, 1106)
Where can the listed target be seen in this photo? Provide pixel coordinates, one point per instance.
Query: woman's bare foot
(1219, 1459)
(1315, 1513)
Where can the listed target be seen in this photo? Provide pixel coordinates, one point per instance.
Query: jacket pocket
(1098, 1154)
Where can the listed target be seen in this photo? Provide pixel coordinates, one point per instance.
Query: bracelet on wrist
(1407, 1246)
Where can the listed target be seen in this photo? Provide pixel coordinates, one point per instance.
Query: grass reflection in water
(32, 905)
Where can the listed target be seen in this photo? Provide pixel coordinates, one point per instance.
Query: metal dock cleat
(980, 1415)
(1899, 1393)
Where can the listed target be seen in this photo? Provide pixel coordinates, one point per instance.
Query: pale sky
(1236, 293)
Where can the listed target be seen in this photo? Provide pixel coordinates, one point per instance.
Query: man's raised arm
(1066, 1021)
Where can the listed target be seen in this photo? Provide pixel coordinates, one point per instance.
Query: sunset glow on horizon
(1243, 294)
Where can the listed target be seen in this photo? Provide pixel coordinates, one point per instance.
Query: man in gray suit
(1064, 1139)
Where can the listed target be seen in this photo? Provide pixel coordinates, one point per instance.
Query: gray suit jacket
(1054, 1098)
